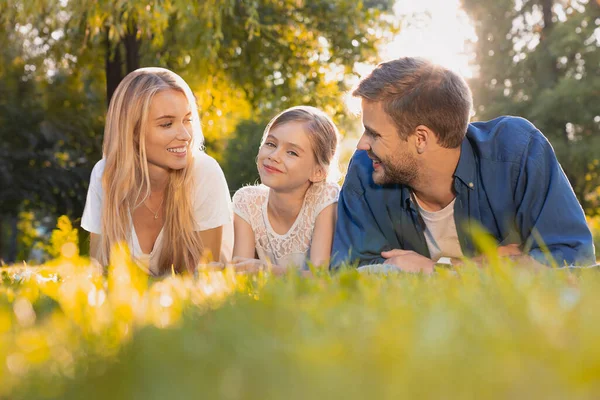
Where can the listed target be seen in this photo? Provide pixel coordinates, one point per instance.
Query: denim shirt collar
(467, 165)
(405, 198)
(464, 175)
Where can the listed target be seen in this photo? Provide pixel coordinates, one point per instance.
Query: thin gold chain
(158, 210)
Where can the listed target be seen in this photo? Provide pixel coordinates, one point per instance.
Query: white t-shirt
(212, 208)
(291, 248)
(440, 232)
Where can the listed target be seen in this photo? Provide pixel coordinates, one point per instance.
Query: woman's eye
(187, 120)
(166, 125)
(269, 144)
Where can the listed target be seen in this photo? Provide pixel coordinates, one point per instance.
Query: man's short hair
(414, 92)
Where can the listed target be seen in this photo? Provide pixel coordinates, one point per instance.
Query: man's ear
(318, 174)
(424, 137)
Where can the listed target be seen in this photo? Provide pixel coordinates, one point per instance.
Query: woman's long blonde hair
(126, 171)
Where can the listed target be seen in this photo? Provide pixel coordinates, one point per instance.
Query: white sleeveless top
(291, 248)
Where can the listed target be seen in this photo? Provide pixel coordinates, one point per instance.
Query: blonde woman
(154, 189)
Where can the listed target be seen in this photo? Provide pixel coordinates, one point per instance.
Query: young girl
(154, 188)
(290, 218)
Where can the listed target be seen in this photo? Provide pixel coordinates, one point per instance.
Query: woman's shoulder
(208, 173)
(205, 164)
(97, 172)
(99, 167)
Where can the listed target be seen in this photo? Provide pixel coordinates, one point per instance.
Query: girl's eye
(293, 153)
(187, 120)
(166, 125)
(269, 144)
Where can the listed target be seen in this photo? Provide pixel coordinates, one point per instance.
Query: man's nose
(364, 143)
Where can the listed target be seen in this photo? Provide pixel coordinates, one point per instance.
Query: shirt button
(471, 184)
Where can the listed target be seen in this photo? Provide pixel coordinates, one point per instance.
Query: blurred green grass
(506, 331)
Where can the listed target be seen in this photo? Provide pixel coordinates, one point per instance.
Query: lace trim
(251, 204)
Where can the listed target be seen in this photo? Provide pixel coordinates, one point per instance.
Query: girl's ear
(318, 174)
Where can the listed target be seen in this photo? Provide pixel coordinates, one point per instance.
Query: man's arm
(357, 237)
(549, 215)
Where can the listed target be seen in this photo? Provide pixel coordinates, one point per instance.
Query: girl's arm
(211, 239)
(243, 239)
(244, 250)
(322, 239)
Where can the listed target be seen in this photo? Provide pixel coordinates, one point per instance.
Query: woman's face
(169, 131)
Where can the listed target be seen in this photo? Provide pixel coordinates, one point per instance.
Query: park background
(69, 331)
(60, 60)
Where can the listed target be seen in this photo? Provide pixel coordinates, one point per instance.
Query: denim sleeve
(357, 237)
(549, 214)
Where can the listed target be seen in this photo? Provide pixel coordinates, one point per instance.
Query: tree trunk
(113, 68)
(13, 220)
(2, 231)
(132, 49)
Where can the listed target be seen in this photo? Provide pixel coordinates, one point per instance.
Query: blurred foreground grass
(68, 332)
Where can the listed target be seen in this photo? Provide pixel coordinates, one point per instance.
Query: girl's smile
(272, 170)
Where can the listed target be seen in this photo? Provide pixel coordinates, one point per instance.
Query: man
(423, 179)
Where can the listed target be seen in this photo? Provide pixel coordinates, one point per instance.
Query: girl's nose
(274, 155)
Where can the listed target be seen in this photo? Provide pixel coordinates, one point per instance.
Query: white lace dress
(291, 248)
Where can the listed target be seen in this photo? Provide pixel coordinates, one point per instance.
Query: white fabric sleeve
(91, 220)
(241, 202)
(329, 195)
(212, 202)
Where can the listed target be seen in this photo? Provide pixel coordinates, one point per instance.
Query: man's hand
(512, 252)
(408, 260)
(509, 250)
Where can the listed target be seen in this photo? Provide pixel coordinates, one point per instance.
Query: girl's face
(286, 160)
(169, 131)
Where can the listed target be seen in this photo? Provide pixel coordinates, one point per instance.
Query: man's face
(394, 159)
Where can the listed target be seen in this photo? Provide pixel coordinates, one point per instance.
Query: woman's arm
(211, 239)
(243, 238)
(94, 245)
(322, 239)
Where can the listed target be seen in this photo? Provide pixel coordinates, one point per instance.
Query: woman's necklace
(157, 210)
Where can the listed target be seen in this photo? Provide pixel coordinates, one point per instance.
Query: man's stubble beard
(391, 173)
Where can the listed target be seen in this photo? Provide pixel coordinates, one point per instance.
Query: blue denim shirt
(508, 181)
